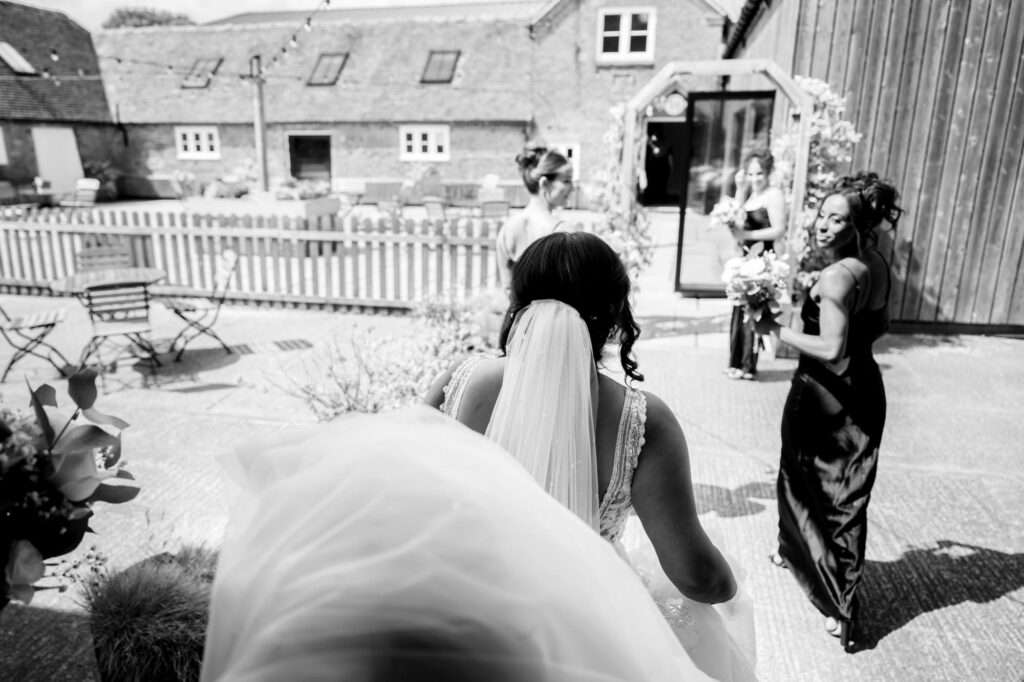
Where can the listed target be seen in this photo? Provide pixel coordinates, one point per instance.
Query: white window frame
(623, 55)
(437, 138)
(571, 150)
(3, 149)
(193, 149)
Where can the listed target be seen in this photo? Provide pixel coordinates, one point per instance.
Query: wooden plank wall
(937, 89)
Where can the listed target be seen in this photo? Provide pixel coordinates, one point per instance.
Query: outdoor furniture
(393, 209)
(103, 257)
(494, 209)
(118, 310)
(27, 334)
(435, 208)
(84, 195)
(77, 283)
(201, 314)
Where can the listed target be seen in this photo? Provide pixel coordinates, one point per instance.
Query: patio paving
(944, 584)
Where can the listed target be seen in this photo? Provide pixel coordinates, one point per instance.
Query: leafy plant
(49, 480)
(832, 139)
(623, 222)
(371, 372)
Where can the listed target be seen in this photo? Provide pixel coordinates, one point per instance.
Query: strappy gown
(831, 431)
(720, 642)
(743, 341)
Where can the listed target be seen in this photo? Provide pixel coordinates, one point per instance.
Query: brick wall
(358, 150)
(573, 93)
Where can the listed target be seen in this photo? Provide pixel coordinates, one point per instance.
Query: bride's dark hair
(581, 270)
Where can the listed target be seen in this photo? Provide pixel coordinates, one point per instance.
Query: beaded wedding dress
(719, 639)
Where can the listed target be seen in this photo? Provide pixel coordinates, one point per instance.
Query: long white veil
(404, 546)
(544, 414)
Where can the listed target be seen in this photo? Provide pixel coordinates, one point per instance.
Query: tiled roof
(511, 10)
(380, 81)
(74, 92)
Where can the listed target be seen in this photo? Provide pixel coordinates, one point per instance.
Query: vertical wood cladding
(937, 89)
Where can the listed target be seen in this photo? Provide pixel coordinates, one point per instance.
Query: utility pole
(256, 75)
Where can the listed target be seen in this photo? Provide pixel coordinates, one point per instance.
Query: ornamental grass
(149, 621)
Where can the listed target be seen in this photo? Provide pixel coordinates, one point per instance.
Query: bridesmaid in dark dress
(834, 415)
(765, 206)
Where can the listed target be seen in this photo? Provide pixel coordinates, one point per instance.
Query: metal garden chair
(27, 334)
(494, 209)
(435, 208)
(101, 257)
(200, 314)
(118, 310)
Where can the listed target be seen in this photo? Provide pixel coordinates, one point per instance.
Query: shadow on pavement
(59, 645)
(894, 593)
(730, 503)
(659, 326)
(896, 343)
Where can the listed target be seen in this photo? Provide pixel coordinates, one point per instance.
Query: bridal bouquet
(759, 282)
(52, 470)
(728, 212)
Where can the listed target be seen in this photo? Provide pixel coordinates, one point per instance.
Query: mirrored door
(721, 128)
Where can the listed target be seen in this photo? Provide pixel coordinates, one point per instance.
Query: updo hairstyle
(871, 201)
(537, 161)
(581, 270)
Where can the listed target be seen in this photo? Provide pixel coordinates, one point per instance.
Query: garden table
(77, 283)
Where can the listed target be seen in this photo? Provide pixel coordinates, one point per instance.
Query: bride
(600, 448)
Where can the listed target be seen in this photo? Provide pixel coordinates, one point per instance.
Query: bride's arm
(663, 499)
(435, 394)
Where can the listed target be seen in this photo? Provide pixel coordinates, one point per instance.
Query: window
(328, 68)
(440, 67)
(571, 150)
(14, 60)
(197, 142)
(625, 36)
(201, 73)
(423, 143)
(3, 149)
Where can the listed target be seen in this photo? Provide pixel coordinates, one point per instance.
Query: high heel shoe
(841, 630)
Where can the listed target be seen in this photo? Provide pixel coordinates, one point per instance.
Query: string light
(53, 54)
(46, 73)
(293, 42)
(308, 26)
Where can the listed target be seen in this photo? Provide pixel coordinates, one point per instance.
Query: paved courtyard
(944, 584)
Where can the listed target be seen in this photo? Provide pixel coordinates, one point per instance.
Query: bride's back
(481, 394)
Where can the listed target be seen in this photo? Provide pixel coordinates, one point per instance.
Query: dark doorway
(310, 156)
(663, 163)
(722, 127)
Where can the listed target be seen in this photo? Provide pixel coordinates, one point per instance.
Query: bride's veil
(544, 414)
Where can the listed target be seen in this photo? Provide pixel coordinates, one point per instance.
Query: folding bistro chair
(26, 335)
(200, 314)
(84, 195)
(101, 257)
(494, 209)
(435, 208)
(119, 310)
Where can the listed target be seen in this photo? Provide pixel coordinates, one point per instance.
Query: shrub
(623, 222)
(832, 139)
(149, 621)
(372, 372)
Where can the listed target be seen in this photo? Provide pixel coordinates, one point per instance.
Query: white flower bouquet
(758, 282)
(728, 212)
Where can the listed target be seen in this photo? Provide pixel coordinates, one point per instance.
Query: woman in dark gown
(834, 415)
(765, 206)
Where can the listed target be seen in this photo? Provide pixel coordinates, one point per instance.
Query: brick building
(378, 93)
(53, 110)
